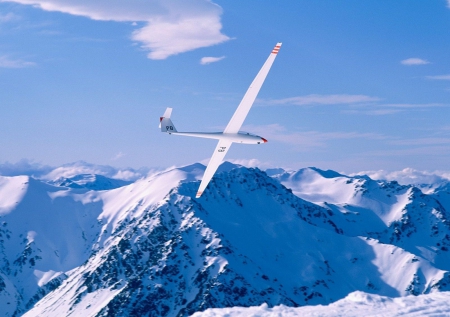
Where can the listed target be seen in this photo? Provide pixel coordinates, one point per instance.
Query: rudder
(165, 123)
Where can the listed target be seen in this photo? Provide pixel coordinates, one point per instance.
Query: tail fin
(165, 123)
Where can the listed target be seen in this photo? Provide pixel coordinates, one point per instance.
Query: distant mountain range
(89, 181)
(89, 245)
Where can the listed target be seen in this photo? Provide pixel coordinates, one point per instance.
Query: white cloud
(24, 167)
(414, 61)
(439, 77)
(128, 174)
(321, 100)
(6, 62)
(171, 27)
(247, 162)
(209, 60)
(45, 172)
(408, 176)
(165, 38)
(81, 167)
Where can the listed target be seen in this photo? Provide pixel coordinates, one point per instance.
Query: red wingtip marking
(265, 141)
(160, 119)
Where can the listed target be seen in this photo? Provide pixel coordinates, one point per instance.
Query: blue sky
(357, 85)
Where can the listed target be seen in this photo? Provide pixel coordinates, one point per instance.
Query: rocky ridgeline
(151, 249)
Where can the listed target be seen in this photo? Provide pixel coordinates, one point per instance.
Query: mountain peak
(327, 173)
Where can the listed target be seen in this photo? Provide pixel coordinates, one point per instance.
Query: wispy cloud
(423, 141)
(9, 17)
(356, 104)
(117, 156)
(387, 109)
(412, 105)
(208, 60)
(414, 61)
(307, 139)
(377, 112)
(171, 27)
(398, 151)
(320, 100)
(439, 77)
(7, 62)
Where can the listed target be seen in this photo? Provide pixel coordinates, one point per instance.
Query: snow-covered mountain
(401, 215)
(149, 248)
(90, 181)
(356, 304)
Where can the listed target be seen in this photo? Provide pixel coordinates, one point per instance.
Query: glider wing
(219, 153)
(242, 110)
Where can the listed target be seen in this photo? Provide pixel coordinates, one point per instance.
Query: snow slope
(150, 248)
(355, 304)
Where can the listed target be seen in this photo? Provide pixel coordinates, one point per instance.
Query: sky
(357, 85)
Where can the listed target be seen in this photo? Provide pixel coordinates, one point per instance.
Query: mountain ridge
(150, 247)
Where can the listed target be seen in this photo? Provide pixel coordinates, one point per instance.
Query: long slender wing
(242, 110)
(217, 158)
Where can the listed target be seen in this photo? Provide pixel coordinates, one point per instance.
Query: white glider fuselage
(241, 137)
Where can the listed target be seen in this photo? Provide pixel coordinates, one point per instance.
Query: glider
(231, 133)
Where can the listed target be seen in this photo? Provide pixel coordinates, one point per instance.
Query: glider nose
(265, 141)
